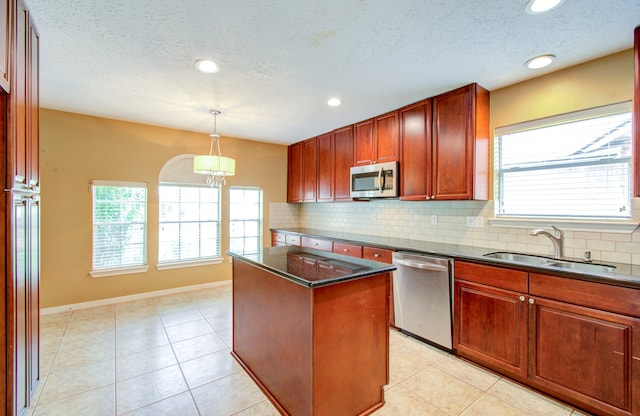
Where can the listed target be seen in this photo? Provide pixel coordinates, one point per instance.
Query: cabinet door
(18, 103)
(415, 145)
(33, 109)
(343, 143)
(453, 145)
(294, 173)
(387, 138)
(19, 312)
(491, 327)
(6, 11)
(309, 170)
(325, 167)
(363, 143)
(586, 355)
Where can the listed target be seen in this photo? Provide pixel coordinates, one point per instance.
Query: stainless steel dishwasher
(422, 297)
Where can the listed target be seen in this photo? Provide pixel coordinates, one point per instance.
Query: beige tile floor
(169, 355)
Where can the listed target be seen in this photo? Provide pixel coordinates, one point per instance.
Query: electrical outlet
(475, 222)
(434, 220)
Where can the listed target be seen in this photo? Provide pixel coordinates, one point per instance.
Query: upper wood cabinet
(326, 170)
(416, 151)
(6, 10)
(343, 160)
(377, 140)
(18, 158)
(461, 144)
(294, 173)
(309, 170)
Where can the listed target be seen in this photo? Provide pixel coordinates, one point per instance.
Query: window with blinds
(119, 225)
(575, 165)
(245, 225)
(189, 227)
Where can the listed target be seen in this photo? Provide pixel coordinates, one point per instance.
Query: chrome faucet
(556, 238)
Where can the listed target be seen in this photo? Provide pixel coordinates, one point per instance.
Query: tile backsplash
(451, 222)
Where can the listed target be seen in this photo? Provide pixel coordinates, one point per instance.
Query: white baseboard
(128, 298)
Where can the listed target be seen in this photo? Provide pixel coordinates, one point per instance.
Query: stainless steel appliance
(378, 180)
(422, 297)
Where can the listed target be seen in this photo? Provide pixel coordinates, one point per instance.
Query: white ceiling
(282, 59)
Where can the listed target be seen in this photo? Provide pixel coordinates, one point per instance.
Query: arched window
(189, 216)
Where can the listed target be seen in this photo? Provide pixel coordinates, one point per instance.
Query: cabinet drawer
(610, 298)
(509, 279)
(292, 239)
(377, 254)
(278, 239)
(352, 250)
(317, 243)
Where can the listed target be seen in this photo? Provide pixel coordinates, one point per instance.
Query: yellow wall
(596, 83)
(76, 149)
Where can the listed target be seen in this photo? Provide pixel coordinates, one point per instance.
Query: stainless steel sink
(585, 267)
(534, 260)
(520, 258)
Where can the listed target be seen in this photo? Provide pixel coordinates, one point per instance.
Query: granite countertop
(312, 268)
(623, 275)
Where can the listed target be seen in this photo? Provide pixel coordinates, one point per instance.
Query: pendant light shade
(214, 165)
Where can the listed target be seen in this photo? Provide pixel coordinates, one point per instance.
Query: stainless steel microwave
(379, 180)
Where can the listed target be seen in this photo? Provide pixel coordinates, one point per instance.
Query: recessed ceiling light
(539, 61)
(541, 6)
(206, 66)
(334, 102)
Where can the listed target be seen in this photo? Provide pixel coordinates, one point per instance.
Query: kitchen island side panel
(272, 335)
(351, 346)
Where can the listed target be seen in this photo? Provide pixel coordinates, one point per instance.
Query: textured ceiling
(282, 59)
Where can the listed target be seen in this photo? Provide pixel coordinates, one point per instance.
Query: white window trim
(118, 271)
(622, 226)
(188, 263)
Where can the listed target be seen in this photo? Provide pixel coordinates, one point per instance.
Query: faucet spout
(557, 239)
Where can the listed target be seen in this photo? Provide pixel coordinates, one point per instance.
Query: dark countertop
(312, 268)
(627, 275)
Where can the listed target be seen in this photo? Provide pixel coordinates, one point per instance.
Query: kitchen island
(311, 329)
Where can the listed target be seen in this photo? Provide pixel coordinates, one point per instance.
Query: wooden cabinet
(416, 152)
(343, 160)
(316, 243)
(309, 170)
(6, 13)
(460, 157)
(346, 249)
(378, 254)
(326, 169)
(294, 173)
(491, 317)
(377, 140)
(21, 210)
(573, 339)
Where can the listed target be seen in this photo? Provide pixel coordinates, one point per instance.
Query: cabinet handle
(531, 301)
(521, 298)
(346, 250)
(433, 197)
(376, 255)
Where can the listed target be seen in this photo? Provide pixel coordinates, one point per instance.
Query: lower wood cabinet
(553, 335)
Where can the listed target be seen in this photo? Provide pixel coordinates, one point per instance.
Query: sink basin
(585, 267)
(534, 260)
(520, 258)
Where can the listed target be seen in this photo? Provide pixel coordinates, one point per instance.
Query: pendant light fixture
(214, 165)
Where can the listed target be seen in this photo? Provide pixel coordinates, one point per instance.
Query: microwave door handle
(380, 184)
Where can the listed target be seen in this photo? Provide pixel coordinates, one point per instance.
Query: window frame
(198, 261)
(590, 224)
(260, 220)
(127, 269)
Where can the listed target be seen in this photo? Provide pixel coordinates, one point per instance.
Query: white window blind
(576, 165)
(189, 223)
(245, 225)
(119, 224)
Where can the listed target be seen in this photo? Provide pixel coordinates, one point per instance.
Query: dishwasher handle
(421, 265)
